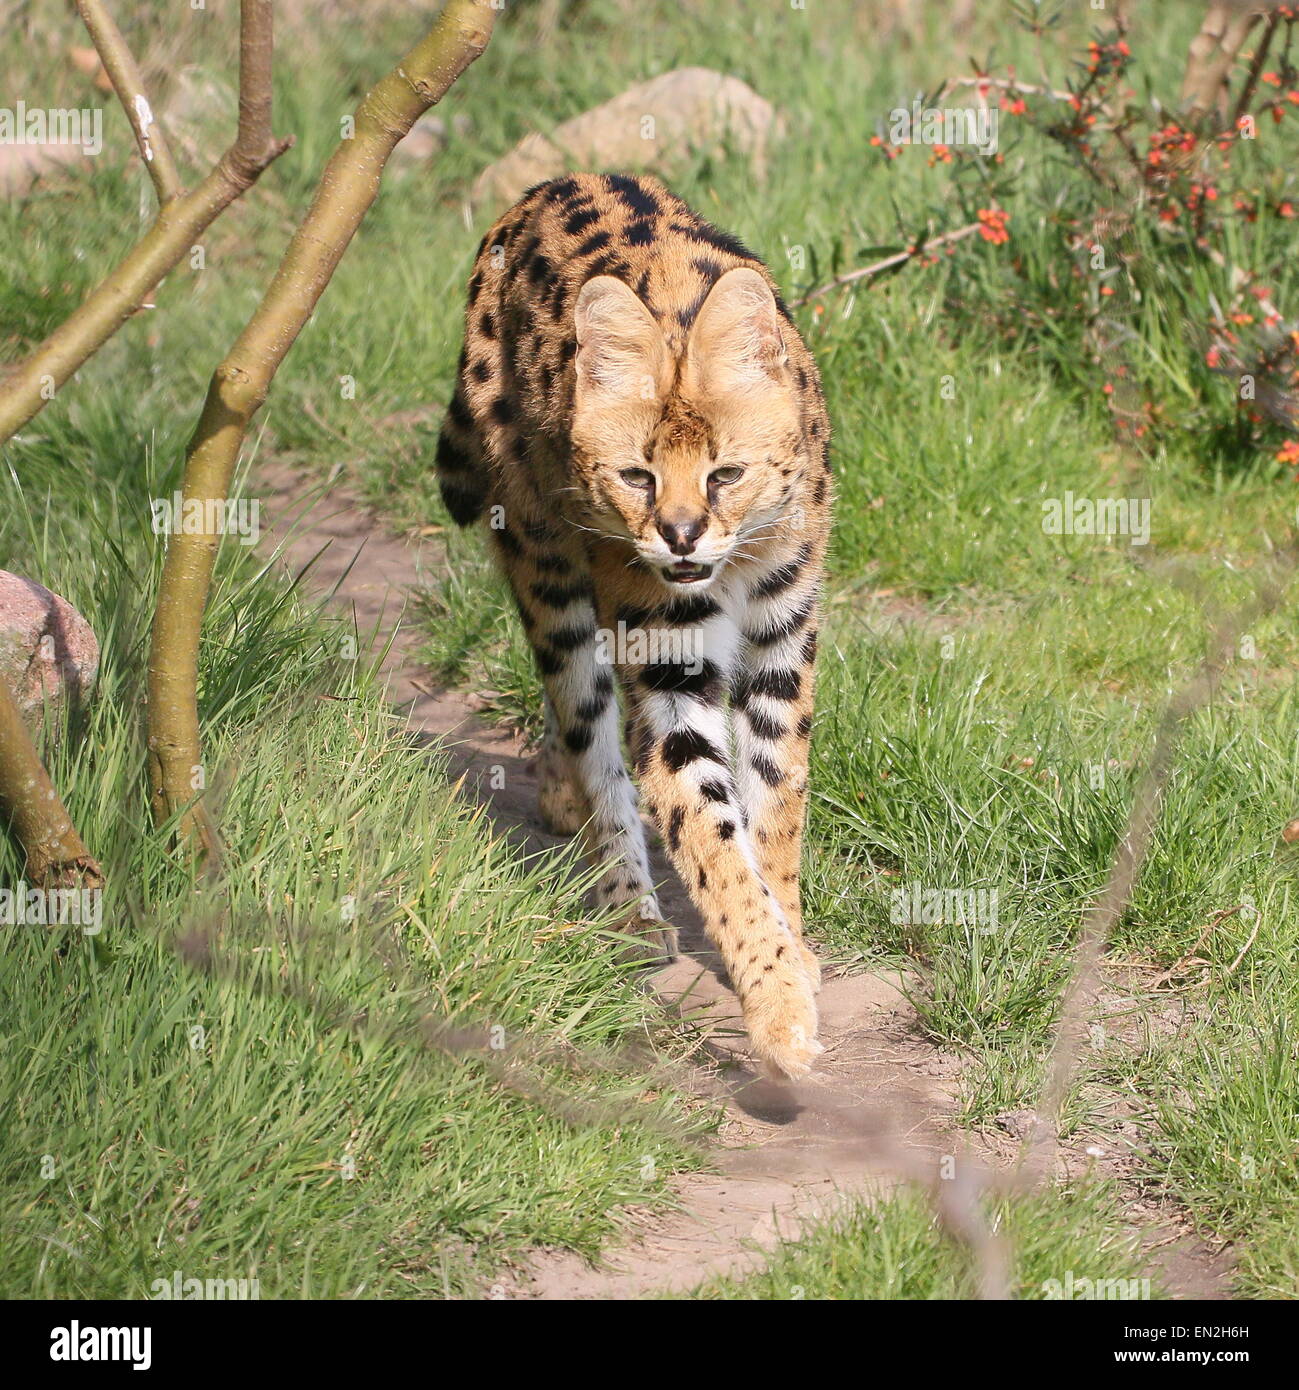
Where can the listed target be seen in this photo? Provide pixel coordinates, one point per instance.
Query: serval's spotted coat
(641, 424)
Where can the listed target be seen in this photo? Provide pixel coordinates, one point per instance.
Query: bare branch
(348, 185)
(878, 267)
(256, 59)
(958, 1202)
(55, 854)
(1255, 69)
(1004, 84)
(1209, 59)
(120, 65)
(30, 385)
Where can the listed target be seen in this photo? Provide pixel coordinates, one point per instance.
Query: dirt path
(882, 1103)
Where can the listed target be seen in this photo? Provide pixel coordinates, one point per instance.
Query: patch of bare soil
(882, 1106)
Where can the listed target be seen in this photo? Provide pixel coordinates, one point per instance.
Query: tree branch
(1209, 59)
(256, 60)
(1003, 84)
(1255, 69)
(120, 65)
(30, 385)
(56, 857)
(348, 185)
(879, 267)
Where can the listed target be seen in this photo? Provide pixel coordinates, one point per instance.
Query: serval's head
(689, 447)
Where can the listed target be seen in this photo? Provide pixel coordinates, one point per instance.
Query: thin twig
(1187, 957)
(28, 386)
(1231, 969)
(1004, 84)
(898, 258)
(124, 74)
(958, 1201)
(1255, 69)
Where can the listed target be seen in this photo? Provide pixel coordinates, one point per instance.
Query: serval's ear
(735, 345)
(621, 352)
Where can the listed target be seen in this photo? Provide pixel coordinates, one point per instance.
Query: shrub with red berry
(1141, 236)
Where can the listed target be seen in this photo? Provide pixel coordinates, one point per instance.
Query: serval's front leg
(582, 768)
(681, 743)
(560, 798)
(772, 695)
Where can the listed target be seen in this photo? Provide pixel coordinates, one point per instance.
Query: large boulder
(21, 166)
(658, 125)
(31, 152)
(49, 657)
(428, 137)
(200, 111)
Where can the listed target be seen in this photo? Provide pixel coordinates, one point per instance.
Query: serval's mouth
(687, 572)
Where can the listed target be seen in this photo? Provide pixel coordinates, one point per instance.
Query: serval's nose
(681, 532)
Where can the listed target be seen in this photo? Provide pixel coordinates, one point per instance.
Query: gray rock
(429, 136)
(200, 113)
(21, 166)
(660, 125)
(49, 657)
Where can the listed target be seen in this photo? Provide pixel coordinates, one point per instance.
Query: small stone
(1017, 1123)
(201, 109)
(49, 657)
(427, 137)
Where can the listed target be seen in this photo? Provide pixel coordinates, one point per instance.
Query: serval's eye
(637, 477)
(726, 475)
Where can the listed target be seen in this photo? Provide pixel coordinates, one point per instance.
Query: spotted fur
(642, 427)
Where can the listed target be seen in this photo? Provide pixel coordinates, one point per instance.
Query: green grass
(988, 696)
(1225, 1133)
(240, 1077)
(895, 1248)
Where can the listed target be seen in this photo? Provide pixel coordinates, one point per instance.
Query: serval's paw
(652, 941)
(649, 942)
(663, 937)
(782, 1028)
(560, 800)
